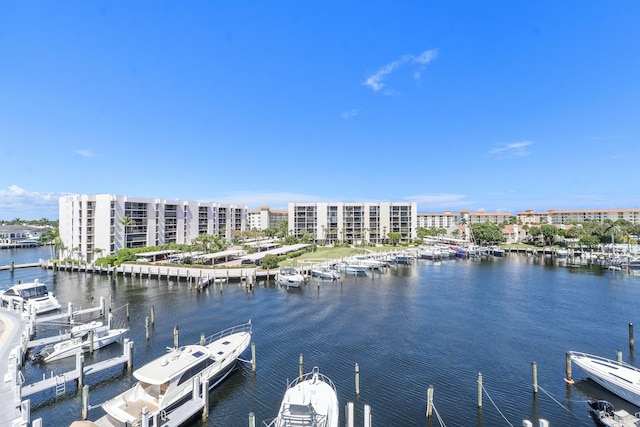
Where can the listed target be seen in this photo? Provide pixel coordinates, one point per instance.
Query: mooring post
(252, 419)
(619, 355)
(103, 306)
(253, 356)
(127, 310)
(70, 312)
(91, 341)
(479, 389)
(128, 347)
(429, 401)
(80, 368)
(85, 402)
(12, 267)
(205, 397)
(567, 377)
(202, 338)
(153, 315)
(357, 380)
(534, 371)
(110, 320)
(301, 365)
(146, 327)
(175, 336)
(367, 415)
(631, 343)
(350, 414)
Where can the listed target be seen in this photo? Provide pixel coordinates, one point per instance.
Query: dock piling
(357, 369)
(479, 390)
(631, 342)
(153, 315)
(429, 401)
(534, 371)
(253, 357)
(301, 366)
(85, 402)
(349, 414)
(205, 396)
(367, 415)
(146, 327)
(567, 377)
(175, 337)
(252, 419)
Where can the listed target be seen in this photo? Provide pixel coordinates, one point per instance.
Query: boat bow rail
(246, 327)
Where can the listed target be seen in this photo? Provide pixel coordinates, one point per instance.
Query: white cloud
(84, 153)
(351, 113)
(375, 81)
(513, 149)
(16, 202)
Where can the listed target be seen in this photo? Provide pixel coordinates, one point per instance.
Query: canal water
(430, 323)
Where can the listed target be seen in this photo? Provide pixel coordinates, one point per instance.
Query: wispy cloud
(351, 113)
(84, 153)
(16, 202)
(437, 202)
(512, 149)
(375, 81)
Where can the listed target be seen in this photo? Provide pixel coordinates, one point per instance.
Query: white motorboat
(83, 328)
(325, 272)
(167, 382)
(310, 400)
(80, 344)
(352, 269)
(34, 293)
(290, 277)
(619, 378)
(607, 416)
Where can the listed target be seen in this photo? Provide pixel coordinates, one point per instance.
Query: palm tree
(126, 222)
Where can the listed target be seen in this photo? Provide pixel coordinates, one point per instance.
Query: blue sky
(496, 106)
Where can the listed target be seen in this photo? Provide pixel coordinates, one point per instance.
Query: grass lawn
(323, 254)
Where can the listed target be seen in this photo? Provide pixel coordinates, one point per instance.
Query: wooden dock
(60, 381)
(13, 266)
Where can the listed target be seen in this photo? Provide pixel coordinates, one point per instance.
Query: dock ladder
(61, 385)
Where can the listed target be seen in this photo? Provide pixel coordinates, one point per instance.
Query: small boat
(167, 383)
(84, 328)
(290, 277)
(618, 377)
(34, 293)
(310, 400)
(325, 272)
(352, 269)
(607, 416)
(79, 344)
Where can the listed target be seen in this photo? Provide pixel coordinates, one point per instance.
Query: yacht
(35, 293)
(289, 277)
(166, 383)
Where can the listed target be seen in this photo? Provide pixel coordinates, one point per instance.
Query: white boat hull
(619, 378)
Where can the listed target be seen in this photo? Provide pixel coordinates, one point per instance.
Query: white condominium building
(553, 216)
(265, 218)
(102, 224)
(353, 222)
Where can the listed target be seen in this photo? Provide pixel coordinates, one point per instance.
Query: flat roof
(165, 252)
(234, 252)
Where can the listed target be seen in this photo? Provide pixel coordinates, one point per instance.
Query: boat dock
(59, 381)
(13, 266)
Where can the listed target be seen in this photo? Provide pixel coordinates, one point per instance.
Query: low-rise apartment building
(102, 224)
(553, 216)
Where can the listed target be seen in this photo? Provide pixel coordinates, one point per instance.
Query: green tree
(589, 242)
(549, 233)
(487, 233)
(269, 261)
(394, 238)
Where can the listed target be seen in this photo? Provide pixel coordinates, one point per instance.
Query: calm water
(427, 324)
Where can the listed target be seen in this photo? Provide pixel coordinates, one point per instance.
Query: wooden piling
(175, 336)
(479, 389)
(252, 419)
(129, 346)
(202, 338)
(367, 415)
(619, 355)
(534, 371)
(205, 396)
(567, 377)
(91, 341)
(349, 414)
(153, 315)
(146, 327)
(127, 311)
(80, 368)
(357, 369)
(301, 366)
(253, 357)
(429, 401)
(85, 402)
(631, 343)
